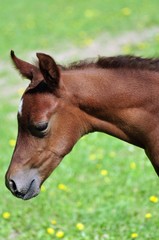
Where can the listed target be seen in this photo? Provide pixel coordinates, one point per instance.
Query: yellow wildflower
(127, 49)
(153, 199)
(133, 165)
(103, 172)
(148, 215)
(53, 222)
(63, 187)
(142, 45)
(126, 11)
(80, 226)
(50, 231)
(6, 215)
(112, 154)
(12, 142)
(43, 188)
(134, 235)
(92, 157)
(60, 234)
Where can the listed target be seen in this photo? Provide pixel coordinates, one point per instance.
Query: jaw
(25, 183)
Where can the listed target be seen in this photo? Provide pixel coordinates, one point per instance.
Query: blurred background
(105, 188)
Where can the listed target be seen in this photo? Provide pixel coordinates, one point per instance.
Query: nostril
(12, 186)
(14, 190)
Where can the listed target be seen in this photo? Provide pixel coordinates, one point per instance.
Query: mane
(87, 63)
(129, 62)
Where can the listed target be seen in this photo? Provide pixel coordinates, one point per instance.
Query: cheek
(60, 141)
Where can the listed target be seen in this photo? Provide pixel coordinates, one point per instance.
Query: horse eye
(41, 126)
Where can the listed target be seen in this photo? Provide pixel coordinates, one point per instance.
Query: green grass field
(105, 188)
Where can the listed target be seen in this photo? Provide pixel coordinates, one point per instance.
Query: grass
(104, 184)
(31, 25)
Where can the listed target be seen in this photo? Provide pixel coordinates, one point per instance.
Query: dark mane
(87, 63)
(130, 62)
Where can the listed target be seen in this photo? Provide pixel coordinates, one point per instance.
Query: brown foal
(115, 95)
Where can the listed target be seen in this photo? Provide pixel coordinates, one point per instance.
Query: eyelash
(39, 130)
(41, 126)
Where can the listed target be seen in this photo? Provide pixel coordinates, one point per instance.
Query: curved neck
(113, 100)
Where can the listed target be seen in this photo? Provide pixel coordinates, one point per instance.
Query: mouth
(32, 191)
(24, 185)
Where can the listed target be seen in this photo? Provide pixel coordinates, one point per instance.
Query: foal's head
(49, 124)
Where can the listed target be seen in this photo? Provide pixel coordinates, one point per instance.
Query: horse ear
(26, 69)
(49, 69)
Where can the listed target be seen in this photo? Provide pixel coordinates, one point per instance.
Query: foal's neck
(114, 99)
